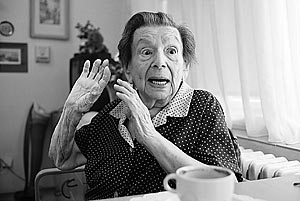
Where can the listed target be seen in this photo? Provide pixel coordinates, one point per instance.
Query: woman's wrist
(153, 141)
(151, 137)
(71, 115)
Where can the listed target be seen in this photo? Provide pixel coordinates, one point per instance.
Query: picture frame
(49, 19)
(13, 57)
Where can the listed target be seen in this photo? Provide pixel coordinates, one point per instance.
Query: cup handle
(166, 184)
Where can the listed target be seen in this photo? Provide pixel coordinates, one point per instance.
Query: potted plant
(92, 47)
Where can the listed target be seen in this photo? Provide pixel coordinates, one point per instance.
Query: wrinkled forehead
(148, 34)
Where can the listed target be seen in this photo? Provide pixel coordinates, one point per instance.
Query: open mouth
(159, 81)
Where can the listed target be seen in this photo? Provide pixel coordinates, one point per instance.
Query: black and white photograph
(150, 100)
(13, 57)
(49, 19)
(50, 12)
(10, 56)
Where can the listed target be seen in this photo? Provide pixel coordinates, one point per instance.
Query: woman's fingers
(123, 90)
(106, 74)
(95, 68)
(86, 67)
(105, 63)
(124, 86)
(122, 96)
(96, 71)
(105, 78)
(126, 93)
(101, 69)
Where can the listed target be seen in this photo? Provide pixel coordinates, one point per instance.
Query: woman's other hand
(140, 125)
(89, 86)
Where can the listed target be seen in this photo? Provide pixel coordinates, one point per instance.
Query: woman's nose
(160, 60)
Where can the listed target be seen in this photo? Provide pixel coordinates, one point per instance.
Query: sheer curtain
(275, 27)
(248, 55)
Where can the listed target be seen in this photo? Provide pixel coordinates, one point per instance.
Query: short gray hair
(143, 19)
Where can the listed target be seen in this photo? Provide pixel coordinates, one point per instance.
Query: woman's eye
(172, 51)
(146, 52)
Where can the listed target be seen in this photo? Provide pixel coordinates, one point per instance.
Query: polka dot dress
(120, 166)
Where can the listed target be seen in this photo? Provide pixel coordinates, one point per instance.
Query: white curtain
(275, 26)
(248, 55)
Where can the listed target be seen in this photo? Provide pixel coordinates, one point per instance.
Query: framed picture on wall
(13, 57)
(49, 19)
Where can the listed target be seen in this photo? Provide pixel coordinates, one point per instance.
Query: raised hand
(89, 86)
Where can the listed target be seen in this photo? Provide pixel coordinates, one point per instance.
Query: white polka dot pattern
(115, 168)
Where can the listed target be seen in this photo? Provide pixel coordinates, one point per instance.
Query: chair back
(54, 184)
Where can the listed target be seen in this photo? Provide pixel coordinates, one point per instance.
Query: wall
(47, 84)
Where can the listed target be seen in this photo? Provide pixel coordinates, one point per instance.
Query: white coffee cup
(210, 183)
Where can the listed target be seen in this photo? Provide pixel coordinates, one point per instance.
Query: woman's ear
(186, 71)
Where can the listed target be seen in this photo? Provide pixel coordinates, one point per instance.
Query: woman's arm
(169, 156)
(86, 90)
(63, 149)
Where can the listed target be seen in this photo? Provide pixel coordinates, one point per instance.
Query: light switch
(42, 54)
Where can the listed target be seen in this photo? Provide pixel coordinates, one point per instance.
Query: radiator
(258, 165)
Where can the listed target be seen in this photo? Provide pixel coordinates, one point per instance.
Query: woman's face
(157, 66)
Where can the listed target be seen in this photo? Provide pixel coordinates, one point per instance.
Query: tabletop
(273, 189)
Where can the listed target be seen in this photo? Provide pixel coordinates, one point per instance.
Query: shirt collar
(178, 107)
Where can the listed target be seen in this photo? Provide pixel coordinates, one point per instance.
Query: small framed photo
(49, 19)
(13, 57)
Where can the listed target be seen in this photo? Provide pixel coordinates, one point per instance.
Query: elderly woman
(157, 125)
